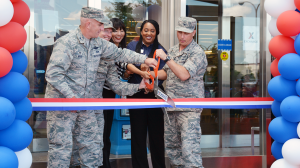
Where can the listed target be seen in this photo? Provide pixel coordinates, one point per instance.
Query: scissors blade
(159, 93)
(165, 112)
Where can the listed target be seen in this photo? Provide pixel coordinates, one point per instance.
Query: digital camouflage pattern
(93, 13)
(186, 24)
(109, 25)
(182, 139)
(71, 72)
(194, 60)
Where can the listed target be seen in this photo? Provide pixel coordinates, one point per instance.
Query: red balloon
(297, 3)
(281, 45)
(274, 68)
(288, 23)
(21, 13)
(14, 1)
(12, 37)
(6, 62)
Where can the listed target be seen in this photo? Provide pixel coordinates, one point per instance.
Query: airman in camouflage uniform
(185, 67)
(71, 73)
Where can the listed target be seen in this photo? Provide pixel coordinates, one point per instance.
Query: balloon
(17, 137)
(23, 109)
(280, 88)
(289, 66)
(298, 87)
(273, 28)
(282, 130)
(20, 62)
(8, 158)
(282, 163)
(12, 37)
(7, 113)
(22, 13)
(297, 4)
(276, 7)
(14, 1)
(274, 68)
(298, 130)
(276, 150)
(286, 23)
(297, 44)
(6, 12)
(15, 87)
(24, 158)
(276, 108)
(290, 109)
(291, 151)
(281, 45)
(6, 62)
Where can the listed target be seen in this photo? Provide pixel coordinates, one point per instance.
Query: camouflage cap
(186, 24)
(108, 24)
(93, 13)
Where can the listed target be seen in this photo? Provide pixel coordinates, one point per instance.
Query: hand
(145, 74)
(144, 67)
(148, 90)
(160, 53)
(151, 62)
(142, 84)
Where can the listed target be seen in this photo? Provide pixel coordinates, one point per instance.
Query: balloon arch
(285, 87)
(15, 107)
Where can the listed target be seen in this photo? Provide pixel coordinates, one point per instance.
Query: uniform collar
(80, 36)
(188, 49)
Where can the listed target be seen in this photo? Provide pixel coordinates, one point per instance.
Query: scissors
(159, 93)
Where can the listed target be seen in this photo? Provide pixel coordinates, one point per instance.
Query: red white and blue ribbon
(61, 104)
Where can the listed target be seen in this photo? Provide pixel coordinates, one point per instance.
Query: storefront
(245, 73)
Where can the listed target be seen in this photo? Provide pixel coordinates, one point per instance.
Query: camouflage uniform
(107, 71)
(71, 72)
(182, 137)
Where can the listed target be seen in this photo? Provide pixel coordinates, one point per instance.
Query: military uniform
(182, 137)
(71, 72)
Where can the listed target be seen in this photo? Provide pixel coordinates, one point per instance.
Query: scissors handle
(151, 86)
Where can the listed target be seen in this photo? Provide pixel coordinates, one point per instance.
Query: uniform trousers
(108, 119)
(182, 139)
(60, 128)
(141, 121)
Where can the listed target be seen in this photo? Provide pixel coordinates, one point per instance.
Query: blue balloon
(7, 113)
(280, 88)
(290, 109)
(23, 109)
(276, 108)
(282, 130)
(288, 66)
(298, 87)
(276, 150)
(8, 158)
(16, 137)
(20, 62)
(14, 86)
(297, 44)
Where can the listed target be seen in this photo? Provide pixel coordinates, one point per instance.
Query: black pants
(108, 119)
(143, 120)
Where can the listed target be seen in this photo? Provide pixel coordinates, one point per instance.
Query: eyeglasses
(107, 32)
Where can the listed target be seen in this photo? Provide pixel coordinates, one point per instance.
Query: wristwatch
(167, 59)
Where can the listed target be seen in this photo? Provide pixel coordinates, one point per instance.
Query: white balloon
(291, 151)
(281, 163)
(276, 7)
(298, 130)
(25, 158)
(273, 28)
(6, 12)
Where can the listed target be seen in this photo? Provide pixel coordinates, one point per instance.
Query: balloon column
(285, 86)
(15, 107)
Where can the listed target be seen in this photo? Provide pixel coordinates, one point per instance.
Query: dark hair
(155, 42)
(118, 24)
